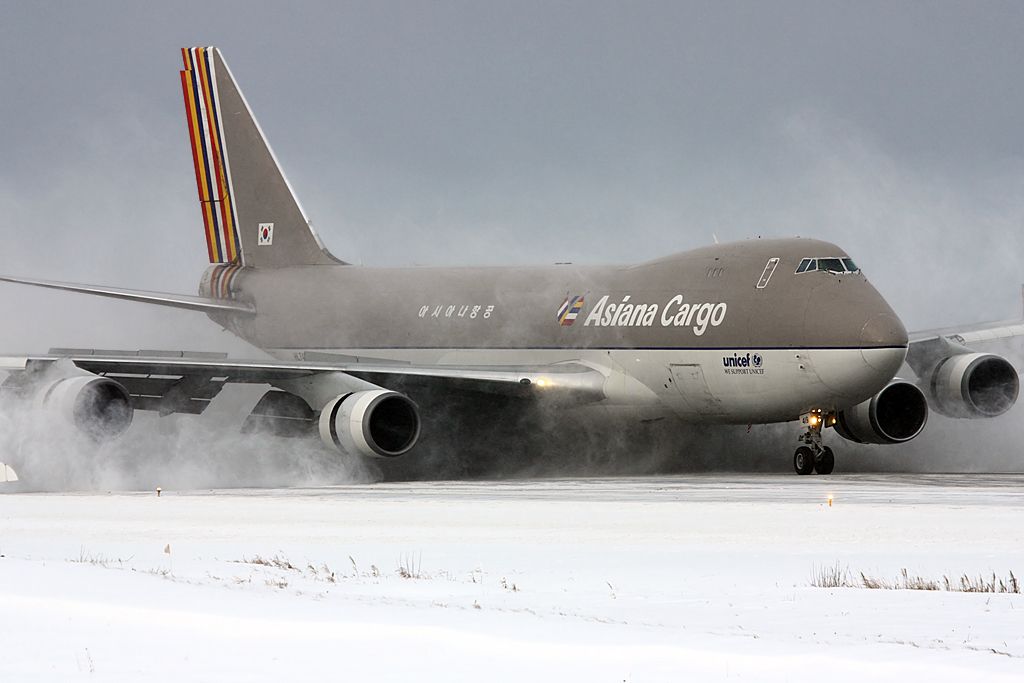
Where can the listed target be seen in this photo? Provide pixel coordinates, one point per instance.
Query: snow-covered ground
(679, 578)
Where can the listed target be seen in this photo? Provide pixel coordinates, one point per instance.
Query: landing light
(814, 419)
(542, 382)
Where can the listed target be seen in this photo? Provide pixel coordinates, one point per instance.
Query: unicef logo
(748, 364)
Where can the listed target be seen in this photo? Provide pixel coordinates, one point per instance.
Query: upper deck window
(834, 264)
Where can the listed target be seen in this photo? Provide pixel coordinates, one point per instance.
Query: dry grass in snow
(835, 576)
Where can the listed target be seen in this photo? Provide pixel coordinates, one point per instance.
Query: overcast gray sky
(467, 132)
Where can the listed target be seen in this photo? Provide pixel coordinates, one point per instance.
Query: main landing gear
(813, 456)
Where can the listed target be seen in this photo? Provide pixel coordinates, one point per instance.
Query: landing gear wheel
(825, 462)
(803, 460)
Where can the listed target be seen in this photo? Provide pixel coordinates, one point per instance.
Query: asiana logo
(569, 309)
(676, 312)
(748, 364)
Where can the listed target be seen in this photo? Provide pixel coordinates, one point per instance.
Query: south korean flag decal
(266, 234)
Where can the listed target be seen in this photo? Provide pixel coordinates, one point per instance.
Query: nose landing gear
(814, 456)
(803, 460)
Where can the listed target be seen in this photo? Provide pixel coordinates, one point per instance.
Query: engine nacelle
(377, 423)
(974, 385)
(97, 406)
(896, 414)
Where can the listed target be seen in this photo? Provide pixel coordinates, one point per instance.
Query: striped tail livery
(213, 175)
(250, 213)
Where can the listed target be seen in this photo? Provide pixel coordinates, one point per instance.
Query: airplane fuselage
(720, 334)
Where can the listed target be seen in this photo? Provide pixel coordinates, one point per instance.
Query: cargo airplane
(753, 332)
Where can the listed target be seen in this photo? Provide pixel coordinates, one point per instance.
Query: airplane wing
(973, 334)
(185, 301)
(928, 346)
(186, 382)
(977, 333)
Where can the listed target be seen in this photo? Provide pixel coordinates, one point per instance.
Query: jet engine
(973, 385)
(377, 423)
(97, 406)
(896, 414)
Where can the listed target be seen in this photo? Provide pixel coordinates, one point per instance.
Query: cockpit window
(837, 265)
(831, 265)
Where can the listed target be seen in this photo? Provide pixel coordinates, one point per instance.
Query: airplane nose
(883, 341)
(870, 341)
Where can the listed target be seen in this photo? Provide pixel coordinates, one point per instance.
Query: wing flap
(159, 405)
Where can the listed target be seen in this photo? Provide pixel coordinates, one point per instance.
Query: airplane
(752, 332)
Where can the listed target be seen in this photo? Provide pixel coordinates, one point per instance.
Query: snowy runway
(605, 579)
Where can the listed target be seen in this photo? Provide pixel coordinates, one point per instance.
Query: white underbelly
(767, 386)
(735, 386)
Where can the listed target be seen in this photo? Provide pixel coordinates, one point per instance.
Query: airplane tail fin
(251, 215)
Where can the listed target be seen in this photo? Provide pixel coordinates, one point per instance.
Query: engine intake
(896, 414)
(974, 385)
(97, 406)
(377, 423)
